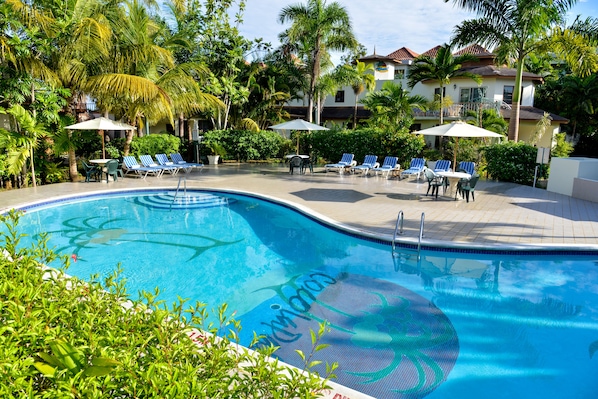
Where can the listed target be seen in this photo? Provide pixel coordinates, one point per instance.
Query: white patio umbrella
(101, 124)
(457, 129)
(297, 124)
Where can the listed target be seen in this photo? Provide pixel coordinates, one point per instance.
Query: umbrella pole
(103, 145)
(455, 154)
(297, 143)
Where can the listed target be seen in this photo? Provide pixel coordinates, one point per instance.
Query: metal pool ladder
(399, 231)
(184, 179)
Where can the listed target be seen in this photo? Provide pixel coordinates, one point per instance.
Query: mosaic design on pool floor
(387, 340)
(96, 231)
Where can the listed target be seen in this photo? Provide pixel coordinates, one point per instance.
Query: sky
(382, 26)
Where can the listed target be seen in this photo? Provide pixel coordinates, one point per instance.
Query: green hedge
(155, 144)
(331, 144)
(64, 338)
(244, 145)
(513, 162)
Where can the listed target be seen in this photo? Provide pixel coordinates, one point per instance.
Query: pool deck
(504, 215)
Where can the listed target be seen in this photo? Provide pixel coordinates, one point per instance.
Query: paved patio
(503, 215)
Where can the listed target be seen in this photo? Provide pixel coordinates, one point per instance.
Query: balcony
(459, 110)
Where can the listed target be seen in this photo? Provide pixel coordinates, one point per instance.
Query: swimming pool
(453, 324)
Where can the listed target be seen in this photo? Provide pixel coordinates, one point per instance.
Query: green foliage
(331, 144)
(155, 144)
(512, 162)
(244, 145)
(64, 338)
(562, 148)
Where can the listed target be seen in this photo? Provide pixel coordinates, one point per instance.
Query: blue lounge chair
(416, 167)
(444, 165)
(468, 167)
(346, 162)
(164, 161)
(149, 162)
(178, 160)
(389, 165)
(132, 165)
(369, 162)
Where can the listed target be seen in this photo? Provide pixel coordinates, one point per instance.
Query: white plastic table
(453, 178)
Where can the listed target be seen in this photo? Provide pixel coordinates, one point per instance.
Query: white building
(495, 91)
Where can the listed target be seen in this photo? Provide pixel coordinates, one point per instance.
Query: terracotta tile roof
(475, 49)
(403, 53)
(432, 52)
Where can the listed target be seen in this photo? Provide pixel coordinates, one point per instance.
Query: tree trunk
(441, 104)
(516, 103)
(73, 172)
(181, 132)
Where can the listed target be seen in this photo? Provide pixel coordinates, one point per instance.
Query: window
(437, 92)
(472, 95)
(507, 94)
(339, 97)
(399, 74)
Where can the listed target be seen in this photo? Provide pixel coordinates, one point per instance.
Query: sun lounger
(149, 162)
(389, 166)
(370, 162)
(346, 162)
(131, 165)
(416, 167)
(178, 160)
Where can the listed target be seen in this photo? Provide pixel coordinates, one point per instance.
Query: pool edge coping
(400, 242)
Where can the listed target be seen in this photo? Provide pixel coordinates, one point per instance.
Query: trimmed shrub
(513, 162)
(245, 145)
(331, 144)
(155, 144)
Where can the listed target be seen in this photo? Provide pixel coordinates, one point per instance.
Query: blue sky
(382, 25)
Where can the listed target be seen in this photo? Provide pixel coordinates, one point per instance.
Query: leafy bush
(155, 144)
(562, 148)
(513, 162)
(245, 145)
(331, 144)
(64, 338)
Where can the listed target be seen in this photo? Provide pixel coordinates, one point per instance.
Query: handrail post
(421, 234)
(399, 228)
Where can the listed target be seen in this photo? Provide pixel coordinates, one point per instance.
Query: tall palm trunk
(516, 103)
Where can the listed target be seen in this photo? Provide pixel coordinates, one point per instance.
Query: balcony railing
(459, 110)
(83, 106)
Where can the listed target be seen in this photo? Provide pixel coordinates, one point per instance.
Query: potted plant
(216, 150)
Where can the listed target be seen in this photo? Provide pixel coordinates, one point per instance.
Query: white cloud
(387, 26)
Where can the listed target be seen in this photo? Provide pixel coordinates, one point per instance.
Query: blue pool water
(451, 325)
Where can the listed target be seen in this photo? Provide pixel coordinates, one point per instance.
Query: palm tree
(360, 77)
(322, 28)
(140, 79)
(442, 69)
(23, 142)
(517, 28)
(392, 106)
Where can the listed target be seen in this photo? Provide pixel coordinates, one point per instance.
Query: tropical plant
(22, 143)
(112, 345)
(519, 28)
(442, 68)
(392, 107)
(316, 29)
(360, 76)
(512, 162)
(489, 119)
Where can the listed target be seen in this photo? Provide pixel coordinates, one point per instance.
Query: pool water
(449, 325)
